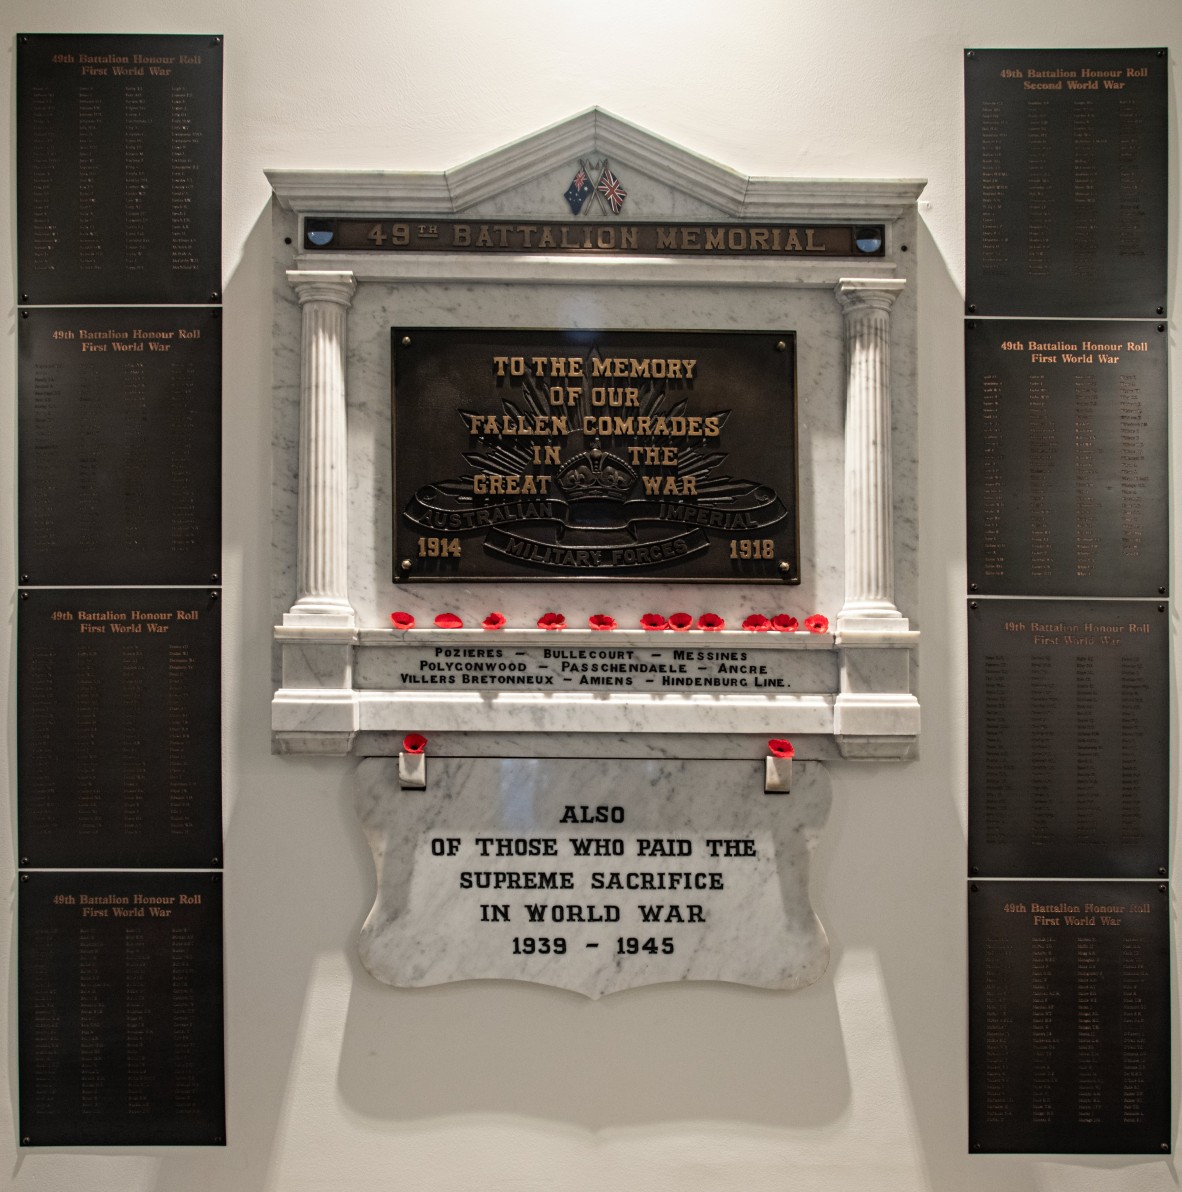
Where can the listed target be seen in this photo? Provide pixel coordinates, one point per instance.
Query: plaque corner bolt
(213, 593)
(972, 587)
(25, 579)
(1163, 888)
(1161, 871)
(215, 860)
(406, 341)
(26, 1141)
(214, 576)
(781, 346)
(1161, 608)
(24, 877)
(24, 595)
(214, 296)
(406, 564)
(785, 568)
(24, 860)
(1161, 310)
(1161, 326)
(24, 314)
(974, 870)
(974, 888)
(972, 308)
(971, 54)
(974, 604)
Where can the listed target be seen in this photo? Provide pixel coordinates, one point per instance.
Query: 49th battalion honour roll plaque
(545, 455)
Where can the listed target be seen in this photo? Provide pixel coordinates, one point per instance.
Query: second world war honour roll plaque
(544, 455)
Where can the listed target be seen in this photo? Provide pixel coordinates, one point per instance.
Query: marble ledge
(697, 639)
(578, 269)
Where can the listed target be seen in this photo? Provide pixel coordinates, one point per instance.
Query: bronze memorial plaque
(1069, 732)
(1069, 1017)
(1066, 182)
(543, 455)
(121, 1009)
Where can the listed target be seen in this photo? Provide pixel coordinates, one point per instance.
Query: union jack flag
(576, 194)
(609, 186)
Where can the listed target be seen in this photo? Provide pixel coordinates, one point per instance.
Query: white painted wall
(337, 1083)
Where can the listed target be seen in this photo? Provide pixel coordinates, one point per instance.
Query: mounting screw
(406, 564)
(1161, 871)
(26, 1140)
(25, 861)
(1161, 310)
(24, 877)
(974, 888)
(213, 575)
(25, 579)
(24, 297)
(785, 568)
(24, 595)
(1162, 889)
(781, 346)
(215, 41)
(974, 604)
(974, 870)
(970, 53)
(214, 593)
(1165, 1146)
(215, 860)
(972, 587)
(972, 308)
(1161, 326)
(1161, 608)
(976, 1146)
(1161, 591)
(215, 878)
(406, 341)
(1161, 54)
(214, 296)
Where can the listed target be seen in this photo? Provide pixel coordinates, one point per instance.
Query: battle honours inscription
(617, 455)
(119, 191)
(1067, 457)
(1069, 1017)
(1066, 184)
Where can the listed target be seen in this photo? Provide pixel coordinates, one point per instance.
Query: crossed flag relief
(608, 192)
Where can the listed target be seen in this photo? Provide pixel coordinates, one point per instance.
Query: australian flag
(609, 186)
(576, 194)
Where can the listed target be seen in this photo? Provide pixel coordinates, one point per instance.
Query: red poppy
(757, 623)
(653, 621)
(448, 621)
(783, 623)
(601, 621)
(681, 622)
(493, 621)
(817, 623)
(552, 621)
(780, 748)
(711, 622)
(402, 620)
(414, 743)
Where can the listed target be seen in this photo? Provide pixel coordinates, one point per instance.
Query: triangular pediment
(527, 179)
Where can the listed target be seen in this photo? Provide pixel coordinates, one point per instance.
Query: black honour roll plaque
(1069, 733)
(121, 1031)
(119, 137)
(1066, 183)
(542, 455)
(1069, 1017)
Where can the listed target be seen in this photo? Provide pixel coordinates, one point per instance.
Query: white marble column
(869, 513)
(322, 583)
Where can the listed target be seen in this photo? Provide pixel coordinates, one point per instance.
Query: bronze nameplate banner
(605, 454)
(582, 236)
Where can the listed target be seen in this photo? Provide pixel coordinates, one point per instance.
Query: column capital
(861, 293)
(323, 285)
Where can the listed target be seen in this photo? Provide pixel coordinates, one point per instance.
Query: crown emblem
(596, 475)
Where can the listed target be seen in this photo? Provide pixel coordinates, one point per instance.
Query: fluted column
(322, 579)
(869, 540)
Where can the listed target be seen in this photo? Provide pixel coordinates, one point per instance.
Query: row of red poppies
(417, 743)
(678, 622)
